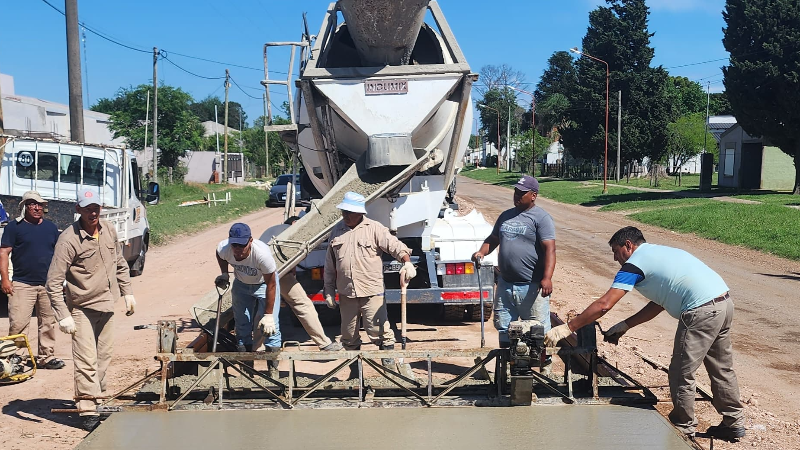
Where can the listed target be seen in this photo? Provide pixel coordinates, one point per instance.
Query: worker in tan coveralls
(354, 268)
(89, 257)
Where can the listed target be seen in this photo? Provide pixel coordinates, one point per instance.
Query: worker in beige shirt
(88, 257)
(354, 268)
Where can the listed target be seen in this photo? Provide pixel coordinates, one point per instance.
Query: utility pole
(216, 127)
(708, 104)
(155, 114)
(508, 141)
(619, 131)
(225, 161)
(146, 119)
(74, 72)
(266, 137)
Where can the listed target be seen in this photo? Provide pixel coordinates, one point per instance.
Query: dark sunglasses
(239, 246)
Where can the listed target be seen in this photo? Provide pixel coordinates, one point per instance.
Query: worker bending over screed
(691, 292)
(89, 257)
(295, 296)
(253, 294)
(527, 239)
(354, 268)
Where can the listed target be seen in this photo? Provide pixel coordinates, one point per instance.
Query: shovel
(221, 291)
(404, 369)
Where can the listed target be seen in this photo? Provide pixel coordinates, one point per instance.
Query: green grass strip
(769, 228)
(168, 220)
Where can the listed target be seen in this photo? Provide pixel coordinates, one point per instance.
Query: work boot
(727, 433)
(547, 366)
(89, 423)
(334, 346)
(272, 365)
(353, 375)
(388, 363)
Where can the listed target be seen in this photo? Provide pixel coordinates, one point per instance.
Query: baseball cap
(353, 202)
(88, 196)
(239, 234)
(31, 195)
(527, 183)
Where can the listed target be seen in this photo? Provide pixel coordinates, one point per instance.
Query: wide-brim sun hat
(353, 202)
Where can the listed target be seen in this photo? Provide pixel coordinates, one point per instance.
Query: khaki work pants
(295, 296)
(373, 316)
(26, 298)
(92, 345)
(703, 337)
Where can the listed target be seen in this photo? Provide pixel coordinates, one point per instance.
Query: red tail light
(450, 269)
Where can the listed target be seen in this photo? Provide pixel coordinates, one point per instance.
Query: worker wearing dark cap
(527, 240)
(254, 291)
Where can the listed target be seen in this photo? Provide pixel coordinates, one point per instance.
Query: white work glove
(67, 325)
(267, 325)
(330, 299)
(555, 335)
(408, 271)
(130, 304)
(614, 333)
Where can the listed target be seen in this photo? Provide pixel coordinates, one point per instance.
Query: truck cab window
(26, 166)
(93, 171)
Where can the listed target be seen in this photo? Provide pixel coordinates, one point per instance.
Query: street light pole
(480, 105)
(608, 77)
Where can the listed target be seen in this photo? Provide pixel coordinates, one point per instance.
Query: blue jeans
(519, 301)
(249, 301)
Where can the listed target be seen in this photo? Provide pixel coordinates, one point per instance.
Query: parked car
(277, 194)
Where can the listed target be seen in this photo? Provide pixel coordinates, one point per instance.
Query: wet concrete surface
(598, 427)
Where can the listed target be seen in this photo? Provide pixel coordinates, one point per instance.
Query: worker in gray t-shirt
(527, 239)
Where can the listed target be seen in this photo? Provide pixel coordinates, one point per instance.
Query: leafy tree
(686, 138)
(179, 129)
(204, 110)
(762, 81)
(719, 105)
(553, 92)
(687, 95)
(618, 34)
(501, 100)
(498, 77)
(527, 154)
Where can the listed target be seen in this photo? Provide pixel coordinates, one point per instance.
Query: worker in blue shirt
(690, 291)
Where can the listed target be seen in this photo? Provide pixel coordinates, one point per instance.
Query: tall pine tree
(762, 81)
(618, 34)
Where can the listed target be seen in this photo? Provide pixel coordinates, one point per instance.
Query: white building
(30, 116)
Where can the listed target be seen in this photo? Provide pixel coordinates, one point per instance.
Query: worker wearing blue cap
(255, 309)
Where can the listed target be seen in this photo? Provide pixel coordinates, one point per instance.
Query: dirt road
(765, 330)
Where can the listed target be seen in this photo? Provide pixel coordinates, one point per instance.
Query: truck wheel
(475, 312)
(138, 266)
(328, 316)
(455, 313)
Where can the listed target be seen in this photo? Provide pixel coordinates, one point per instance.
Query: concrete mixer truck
(383, 111)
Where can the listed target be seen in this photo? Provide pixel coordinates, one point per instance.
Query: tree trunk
(796, 190)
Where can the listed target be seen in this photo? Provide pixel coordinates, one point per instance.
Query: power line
(163, 55)
(97, 33)
(114, 41)
(243, 91)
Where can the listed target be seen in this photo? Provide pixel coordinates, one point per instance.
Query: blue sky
(521, 33)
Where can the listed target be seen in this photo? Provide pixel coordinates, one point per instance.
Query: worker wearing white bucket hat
(354, 268)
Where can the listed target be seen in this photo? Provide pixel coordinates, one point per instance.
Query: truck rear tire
(475, 312)
(455, 313)
(327, 316)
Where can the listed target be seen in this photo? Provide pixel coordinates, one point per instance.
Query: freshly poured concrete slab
(600, 427)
